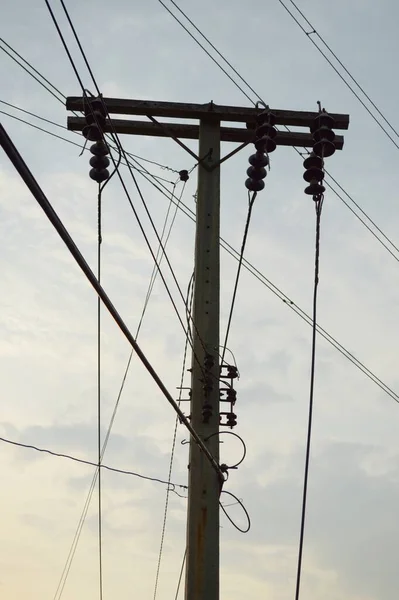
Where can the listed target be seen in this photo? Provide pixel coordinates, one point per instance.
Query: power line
(120, 149)
(88, 462)
(205, 50)
(82, 147)
(99, 449)
(54, 219)
(254, 92)
(27, 112)
(238, 501)
(362, 221)
(213, 48)
(75, 541)
(172, 453)
(250, 267)
(252, 89)
(244, 241)
(361, 210)
(254, 271)
(29, 73)
(65, 45)
(249, 86)
(314, 32)
(181, 574)
(318, 205)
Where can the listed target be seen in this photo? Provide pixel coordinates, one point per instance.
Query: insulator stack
(323, 135)
(265, 135)
(314, 175)
(323, 147)
(99, 162)
(94, 131)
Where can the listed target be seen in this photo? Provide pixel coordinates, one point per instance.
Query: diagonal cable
(251, 201)
(172, 453)
(318, 205)
(75, 541)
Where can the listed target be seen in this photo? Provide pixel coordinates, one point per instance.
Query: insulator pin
(184, 175)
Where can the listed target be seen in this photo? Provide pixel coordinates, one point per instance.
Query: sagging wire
(251, 201)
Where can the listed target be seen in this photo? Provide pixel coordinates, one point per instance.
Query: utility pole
(202, 568)
(202, 571)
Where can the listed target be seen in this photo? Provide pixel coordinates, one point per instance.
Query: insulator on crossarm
(95, 115)
(265, 134)
(95, 112)
(92, 133)
(99, 162)
(323, 135)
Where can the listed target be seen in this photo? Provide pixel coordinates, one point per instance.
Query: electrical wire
(254, 271)
(84, 147)
(244, 448)
(162, 247)
(27, 112)
(318, 206)
(314, 32)
(259, 98)
(121, 149)
(64, 44)
(181, 574)
(54, 219)
(213, 48)
(29, 73)
(75, 541)
(99, 449)
(172, 453)
(244, 241)
(244, 81)
(362, 211)
(204, 49)
(238, 501)
(89, 463)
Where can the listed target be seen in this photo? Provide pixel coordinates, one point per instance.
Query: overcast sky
(48, 311)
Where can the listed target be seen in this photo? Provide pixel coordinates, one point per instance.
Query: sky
(48, 326)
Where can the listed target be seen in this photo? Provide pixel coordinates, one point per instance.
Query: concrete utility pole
(202, 570)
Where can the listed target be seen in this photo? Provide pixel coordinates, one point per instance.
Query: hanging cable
(238, 501)
(162, 247)
(75, 541)
(249, 87)
(54, 219)
(99, 449)
(318, 207)
(172, 453)
(181, 574)
(94, 115)
(253, 270)
(256, 272)
(262, 101)
(89, 463)
(251, 201)
(323, 146)
(274, 289)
